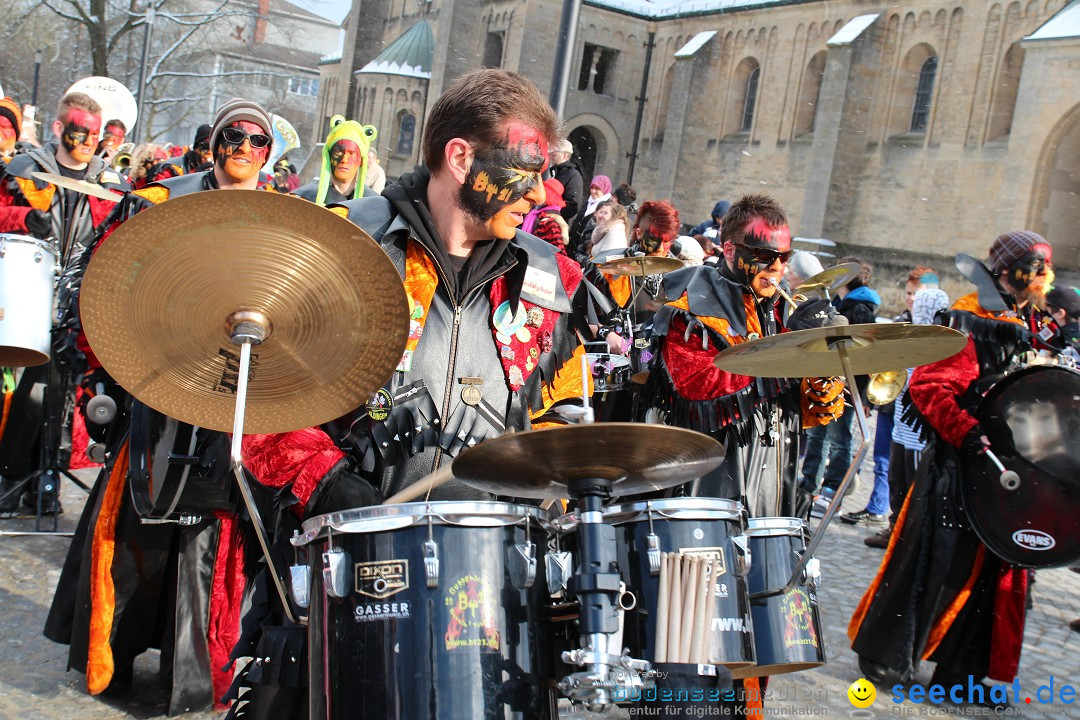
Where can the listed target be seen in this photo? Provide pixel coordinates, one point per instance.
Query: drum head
(1032, 419)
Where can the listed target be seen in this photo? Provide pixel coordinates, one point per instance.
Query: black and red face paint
(504, 173)
(1026, 269)
(80, 134)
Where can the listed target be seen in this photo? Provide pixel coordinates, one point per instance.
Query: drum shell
(612, 390)
(787, 626)
(709, 534)
(416, 666)
(27, 286)
(1032, 419)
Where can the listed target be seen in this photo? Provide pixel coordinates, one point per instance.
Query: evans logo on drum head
(382, 579)
(1033, 540)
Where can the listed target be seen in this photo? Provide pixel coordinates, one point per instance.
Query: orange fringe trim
(970, 303)
(620, 288)
(941, 627)
(752, 697)
(154, 193)
(721, 326)
(99, 660)
(868, 596)
(567, 384)
(38, 199)
(7, 410)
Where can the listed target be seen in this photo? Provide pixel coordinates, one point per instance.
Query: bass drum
(1032, 419)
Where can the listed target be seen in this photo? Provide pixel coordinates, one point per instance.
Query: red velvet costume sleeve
(301, 457)
(935, 388)
(691, 367)
(12, 216)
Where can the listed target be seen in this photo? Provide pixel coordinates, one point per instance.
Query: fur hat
(237, 110)
(342, 129)
(10, 108)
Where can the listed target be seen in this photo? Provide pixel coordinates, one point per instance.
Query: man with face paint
(196, 159)
(715, 308)
(494, 321)
(963, 607)
(157, 571)
(344, 164)
(10, 127)
(111, 139)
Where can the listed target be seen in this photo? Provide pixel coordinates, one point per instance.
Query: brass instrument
(885, 386)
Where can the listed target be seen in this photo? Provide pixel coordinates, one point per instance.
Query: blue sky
(331, 9)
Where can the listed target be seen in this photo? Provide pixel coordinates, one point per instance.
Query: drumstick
(675, 600)
(713, 603)
(660, 641)
(422, 486)
(701, 590)
(693, 577)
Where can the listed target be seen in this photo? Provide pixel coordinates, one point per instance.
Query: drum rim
(28, 240)
(775, 526)
(384, 518)
(698, 508)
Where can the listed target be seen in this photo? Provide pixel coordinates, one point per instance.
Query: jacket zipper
(449, 378)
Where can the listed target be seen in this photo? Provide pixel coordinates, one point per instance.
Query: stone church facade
(909, 131)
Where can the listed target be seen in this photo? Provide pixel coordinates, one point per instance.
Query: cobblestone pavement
(35, 686)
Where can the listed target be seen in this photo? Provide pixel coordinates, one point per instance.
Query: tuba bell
(885, 386)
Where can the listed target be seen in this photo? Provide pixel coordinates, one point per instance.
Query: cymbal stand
(839, 344)
(248, 329)
(597, 587)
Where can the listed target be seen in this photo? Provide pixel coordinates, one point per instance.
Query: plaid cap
(1012, 246)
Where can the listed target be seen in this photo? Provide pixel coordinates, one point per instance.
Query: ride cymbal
(640, 265)
(161, 292)
(635, 457)
(829, 279)
(79, 186)
(871, 347)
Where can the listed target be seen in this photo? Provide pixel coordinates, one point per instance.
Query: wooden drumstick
(693, 577)
(660, 641)
(675, 608)
(422, 486)
(697, 639)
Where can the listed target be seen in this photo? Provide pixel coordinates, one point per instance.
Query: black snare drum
(787, 627)
(612, 390)
(428, 610)
(692, 526)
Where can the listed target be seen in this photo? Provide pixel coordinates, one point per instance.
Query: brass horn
(121, 161)
(885, 386)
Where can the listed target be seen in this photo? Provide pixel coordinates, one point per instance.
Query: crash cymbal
(640, 265)
(873, 347)
(80, 186)
(636, 457)
(830, 279)
(159, 294)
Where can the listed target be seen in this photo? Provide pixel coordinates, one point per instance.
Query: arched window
(806, 110)
(750, 101)
(406, 132)
(924, 91)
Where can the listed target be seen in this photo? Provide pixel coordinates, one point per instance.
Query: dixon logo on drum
(709, 553)
(471, 603)
(382, 579)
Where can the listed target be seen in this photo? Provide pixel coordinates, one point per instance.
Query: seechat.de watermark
(1006, 699)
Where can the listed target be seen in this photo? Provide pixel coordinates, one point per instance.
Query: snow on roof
(851, 30)
(411, 54)
(673, 8)
(1065, 24)
(695, 44)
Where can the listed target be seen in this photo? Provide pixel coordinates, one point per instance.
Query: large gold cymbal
(830, 279)
(872, 347)
(79, 186)
(635, 457)
(640, 265)
(159, 293)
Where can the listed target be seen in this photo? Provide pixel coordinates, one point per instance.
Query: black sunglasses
(236, 136)
(764, 256)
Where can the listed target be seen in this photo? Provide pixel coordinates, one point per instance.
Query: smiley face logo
(862, 693)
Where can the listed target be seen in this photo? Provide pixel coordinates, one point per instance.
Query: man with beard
(344, 166)
(493, 342)
(958, 604)
(128, 586)
(29, 206)
(197, 158)
(757, 420)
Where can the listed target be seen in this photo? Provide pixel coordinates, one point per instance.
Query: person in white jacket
(611, 231)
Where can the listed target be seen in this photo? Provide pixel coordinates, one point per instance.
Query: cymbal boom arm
(246, 340)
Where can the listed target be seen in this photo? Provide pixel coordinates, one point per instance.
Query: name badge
(539, 284)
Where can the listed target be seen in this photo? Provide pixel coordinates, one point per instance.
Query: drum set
(588, 583)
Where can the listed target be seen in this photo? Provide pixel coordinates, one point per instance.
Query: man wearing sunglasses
(716, 307)
(149, 579)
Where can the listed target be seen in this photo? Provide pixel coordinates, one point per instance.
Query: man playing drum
(493, 342)
(724, 305)
(127, 585)
(961, 606)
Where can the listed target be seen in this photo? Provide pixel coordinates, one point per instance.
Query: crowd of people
(501, 245)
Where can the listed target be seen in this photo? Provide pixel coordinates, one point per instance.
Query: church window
(809, 94)
(597, 69)
(924, 91)
(750, 101)
(406, 132)
(493, 50)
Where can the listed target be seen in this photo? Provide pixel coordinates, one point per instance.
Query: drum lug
(652, 542)
(812, 572)
(336, 567)
(299, 582)
(431, 563)
(523, 565)
(742, 553)
(558, 571)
